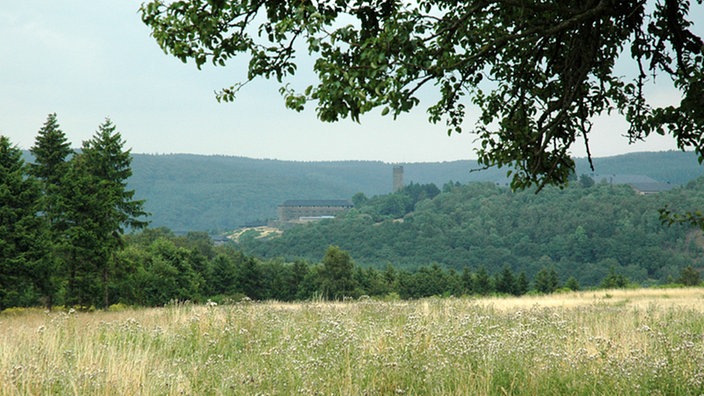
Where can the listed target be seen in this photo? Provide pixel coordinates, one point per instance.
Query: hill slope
(581, 232)
(218, 193)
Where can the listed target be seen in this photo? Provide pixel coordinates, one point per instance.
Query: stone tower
(398, 177)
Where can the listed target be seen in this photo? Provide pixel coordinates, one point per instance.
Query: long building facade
(311, 210)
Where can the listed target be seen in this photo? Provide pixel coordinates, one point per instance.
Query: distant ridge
(215, 193)
(187, 192)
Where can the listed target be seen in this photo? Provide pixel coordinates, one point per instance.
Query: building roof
(651, 188)
(317, 202)
(641, 183)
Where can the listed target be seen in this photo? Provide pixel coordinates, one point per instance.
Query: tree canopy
(578, 231)
(539, 71)
(63, 219)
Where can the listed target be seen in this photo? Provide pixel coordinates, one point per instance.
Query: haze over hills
(217, 193)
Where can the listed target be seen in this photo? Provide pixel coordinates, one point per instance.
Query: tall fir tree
(546, 281)
(21, 232)
(522, 284)
(506, 282)
(105, 210)
(83, 242)
(482, 282)
(51, 152)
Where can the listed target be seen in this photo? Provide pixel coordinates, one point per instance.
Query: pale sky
(86, 60)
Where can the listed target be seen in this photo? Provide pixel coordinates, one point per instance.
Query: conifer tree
(82, 240)
(467, 281)
(546, 281)
(103, 210)
(505, 282)
(51, 154)
(482, 282)
(249, 279)
(21, 239)
(572, 283)
(522, 285)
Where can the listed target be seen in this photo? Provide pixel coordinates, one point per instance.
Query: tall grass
(601, 343)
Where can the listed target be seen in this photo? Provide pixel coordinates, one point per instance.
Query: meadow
(642, 342)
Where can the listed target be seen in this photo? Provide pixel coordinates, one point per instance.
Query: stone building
(312, 210)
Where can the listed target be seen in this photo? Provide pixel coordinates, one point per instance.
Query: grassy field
(645, 342)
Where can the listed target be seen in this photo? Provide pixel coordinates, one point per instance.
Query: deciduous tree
(539, 71)
(336, 274)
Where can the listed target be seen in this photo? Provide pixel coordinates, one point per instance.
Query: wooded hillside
(583, 232)
(218, 193)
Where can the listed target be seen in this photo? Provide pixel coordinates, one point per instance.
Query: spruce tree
(83, 242)
(21, 232)
(522, 284)
(51, 152)
(546, 281)
(482, 282)
(467, 281)
(572, 283)
(689, 276)
(505, 282)
(105, 210)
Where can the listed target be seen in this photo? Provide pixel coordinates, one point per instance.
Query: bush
(119, 307)
(689, 276)
(572, 284)
(614, 280)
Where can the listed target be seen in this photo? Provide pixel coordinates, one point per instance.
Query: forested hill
(584, 231)
(218, 193)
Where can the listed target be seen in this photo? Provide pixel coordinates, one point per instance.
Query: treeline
(68, 236)
(62, 218)
(157, 267)
(582, 231)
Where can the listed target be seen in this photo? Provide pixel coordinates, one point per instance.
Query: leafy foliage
(578, 232)
(539, 71)
(336, 274)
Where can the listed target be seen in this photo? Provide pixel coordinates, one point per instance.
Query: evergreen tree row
(62, 218)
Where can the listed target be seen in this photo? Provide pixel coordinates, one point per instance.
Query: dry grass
(606, 342)
(685, 298)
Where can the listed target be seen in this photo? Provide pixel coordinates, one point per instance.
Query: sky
(86, 60)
